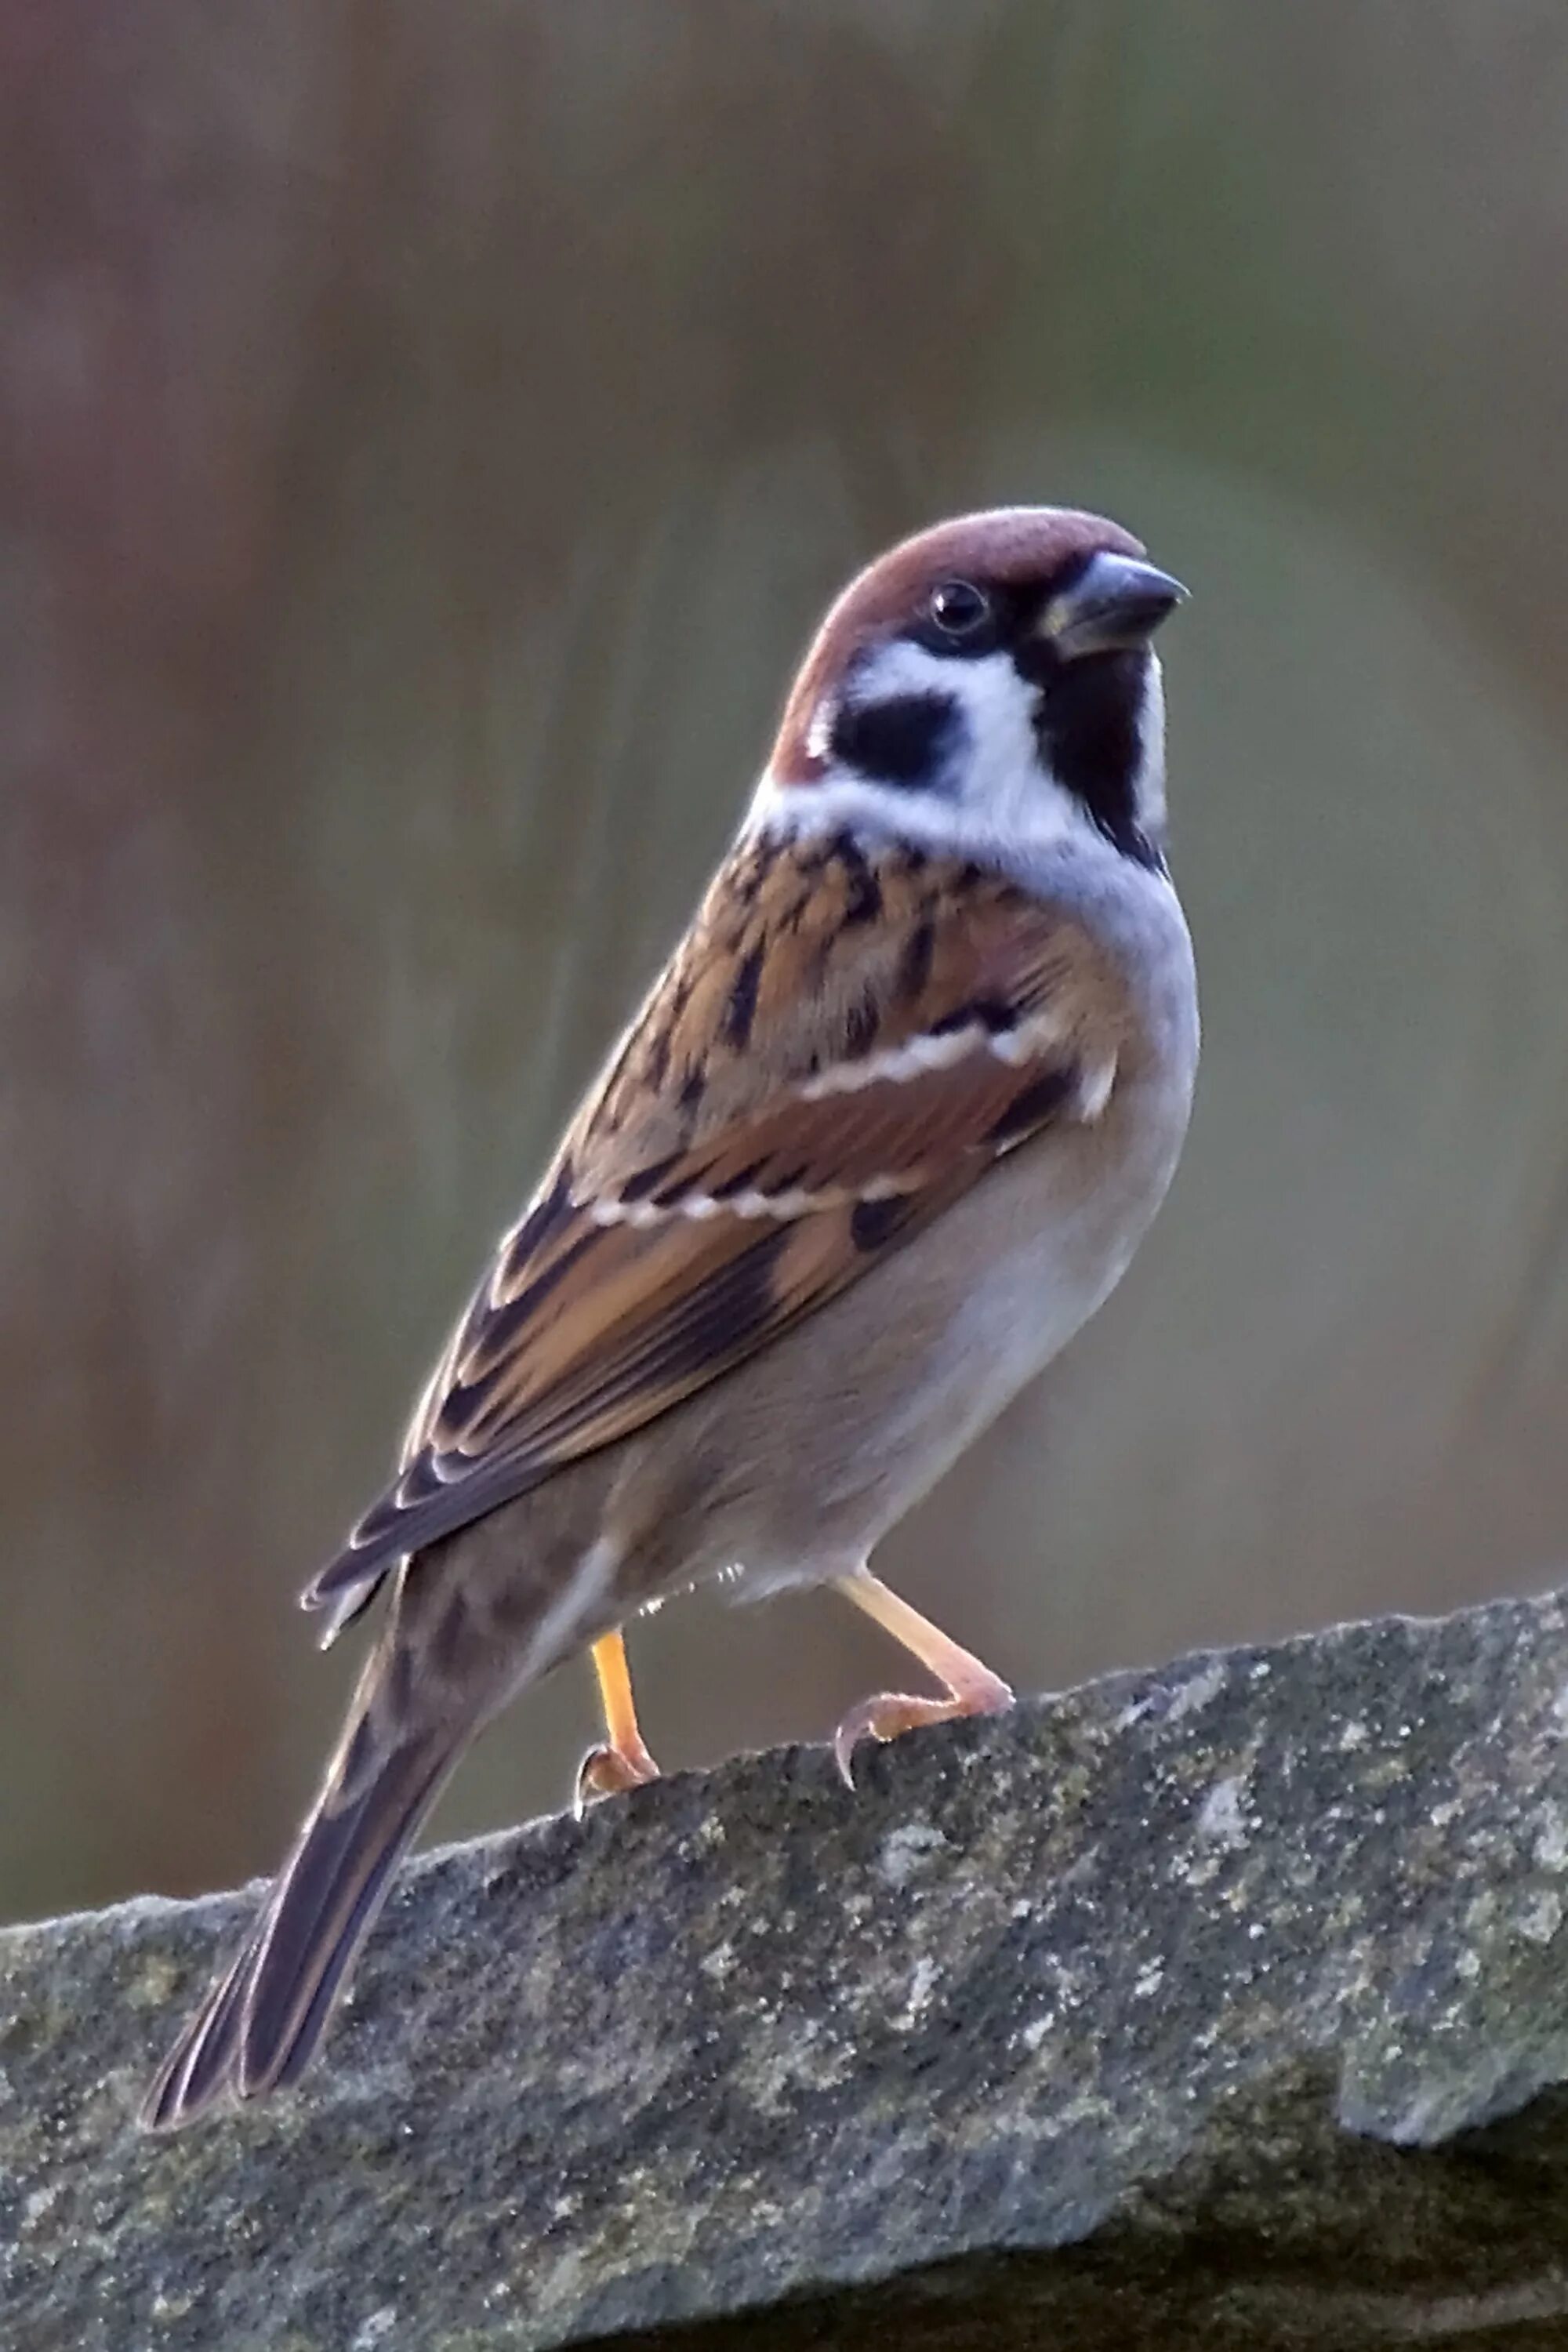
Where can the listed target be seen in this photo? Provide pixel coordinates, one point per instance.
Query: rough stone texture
(1220, 2006)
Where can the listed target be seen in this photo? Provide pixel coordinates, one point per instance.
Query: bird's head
(991, 679)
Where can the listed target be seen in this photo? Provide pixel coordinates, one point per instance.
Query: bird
(884, 1133)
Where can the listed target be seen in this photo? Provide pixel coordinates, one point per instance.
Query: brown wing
(842, 1046)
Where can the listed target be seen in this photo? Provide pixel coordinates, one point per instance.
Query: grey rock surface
(1219, 2006)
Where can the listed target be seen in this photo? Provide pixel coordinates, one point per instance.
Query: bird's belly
(817, 1448)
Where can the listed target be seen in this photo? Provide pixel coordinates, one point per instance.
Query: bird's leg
(621, 1759)
(972, 1688)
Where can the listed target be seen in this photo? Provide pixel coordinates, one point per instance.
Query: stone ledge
(1223, 2005)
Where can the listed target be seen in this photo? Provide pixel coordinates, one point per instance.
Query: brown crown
(1003, 548)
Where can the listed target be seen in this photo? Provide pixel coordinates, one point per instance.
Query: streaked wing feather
(751, 1150)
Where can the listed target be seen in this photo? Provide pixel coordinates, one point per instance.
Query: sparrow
(884, 1133)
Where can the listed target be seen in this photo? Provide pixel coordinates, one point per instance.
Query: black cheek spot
(905, 740)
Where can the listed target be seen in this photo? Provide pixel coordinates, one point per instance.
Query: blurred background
(428, 433)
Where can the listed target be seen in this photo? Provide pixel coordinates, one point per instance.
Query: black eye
(959, 608)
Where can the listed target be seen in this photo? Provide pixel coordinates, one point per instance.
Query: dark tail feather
(260, 2024)
(197, 2069)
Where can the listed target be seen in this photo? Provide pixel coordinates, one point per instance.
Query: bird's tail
(263, 2021)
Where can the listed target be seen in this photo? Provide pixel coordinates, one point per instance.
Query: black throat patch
(1087, 727)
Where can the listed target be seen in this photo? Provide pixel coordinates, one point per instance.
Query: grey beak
(1115, 603)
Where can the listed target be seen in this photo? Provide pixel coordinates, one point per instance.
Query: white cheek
(994, 791)
(998, 755)
(1002, 782)
(994, 798)
(1149, 791)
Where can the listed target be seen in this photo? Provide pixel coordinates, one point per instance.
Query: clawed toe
(883, 1717)
(891, 1713)
(610, 1772)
